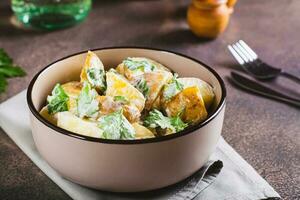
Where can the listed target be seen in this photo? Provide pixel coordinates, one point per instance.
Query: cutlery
(250, 62)
(257, 88)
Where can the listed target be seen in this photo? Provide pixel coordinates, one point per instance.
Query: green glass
(51, 14)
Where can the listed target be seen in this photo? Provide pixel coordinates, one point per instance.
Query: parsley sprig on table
(8, 70)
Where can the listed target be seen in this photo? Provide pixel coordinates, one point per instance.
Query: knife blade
(262, 90)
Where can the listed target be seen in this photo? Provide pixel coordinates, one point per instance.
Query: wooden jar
(209, 18)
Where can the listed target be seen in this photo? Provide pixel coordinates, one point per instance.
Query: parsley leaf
(7, 69)
(139, 65)
(143, 87)
(116, 126)
(97, 78)
(87, 105)
(4, 58)
(3, 83)
(11, 71)
(121, 99)
(172, 88)
(178, 124)
(58, 101)
(156, 119)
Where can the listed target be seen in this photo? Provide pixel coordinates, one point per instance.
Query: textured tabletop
(266, 133)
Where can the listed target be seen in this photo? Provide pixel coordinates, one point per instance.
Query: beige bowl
(125, 165)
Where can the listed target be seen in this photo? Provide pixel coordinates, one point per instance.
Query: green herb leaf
(58, 101)
(116, 126)
(87, 105)
(143, 87)
(172, 88)
(140, 65)
(11, 71)
(156, 119)
(178, 124)
(121, 99)
(96, 78)
(3, 83)
(4, 58)
(7, 69)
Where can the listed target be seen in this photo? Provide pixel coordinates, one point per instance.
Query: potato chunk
(93, 72)
(189, 104)
(141, 132)
(70, 122)
(108, 105)
(119, 86)
(155, 82)
(52, 118)
(205, 89)
(72, 89)
(136, 66)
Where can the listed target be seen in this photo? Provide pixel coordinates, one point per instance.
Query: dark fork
(249, 60)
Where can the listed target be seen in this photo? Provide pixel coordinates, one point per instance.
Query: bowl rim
(184, 132)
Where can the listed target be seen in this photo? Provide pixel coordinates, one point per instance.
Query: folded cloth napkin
(236, 180)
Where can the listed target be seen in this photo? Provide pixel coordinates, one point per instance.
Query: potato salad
(138, 99)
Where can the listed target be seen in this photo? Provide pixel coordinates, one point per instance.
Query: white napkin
(236, 181)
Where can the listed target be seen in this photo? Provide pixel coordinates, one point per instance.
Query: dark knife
(258, 88)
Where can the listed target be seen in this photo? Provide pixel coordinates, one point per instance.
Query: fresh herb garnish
(96, 78)
(58, 101)
(143, 87)
(87, 105)
(177, 123)
(116, 126)
(3, 83)
(156, 119)
(8, 69)
(172, 88)
(139, 65)
(121, 99)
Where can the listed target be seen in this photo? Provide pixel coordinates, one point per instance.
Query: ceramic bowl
(125, 165)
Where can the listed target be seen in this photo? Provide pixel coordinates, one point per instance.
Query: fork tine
(244, 52)
(240, 53)
(248, 49)
(235, 55)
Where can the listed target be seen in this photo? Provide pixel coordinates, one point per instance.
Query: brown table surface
(266, 133)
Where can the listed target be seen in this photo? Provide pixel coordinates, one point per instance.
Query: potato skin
(108, 105)
(156, 82)
(189, 104)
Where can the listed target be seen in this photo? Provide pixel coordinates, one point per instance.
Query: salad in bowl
(138, 99)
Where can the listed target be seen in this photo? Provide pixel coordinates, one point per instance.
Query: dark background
(264, 132)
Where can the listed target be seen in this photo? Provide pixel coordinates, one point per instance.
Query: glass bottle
(51, 14)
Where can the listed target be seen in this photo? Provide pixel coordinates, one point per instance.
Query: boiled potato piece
(119, 86)
(130, 73)
(70, 122)
(141, 131)
(189, 104)
(131, 113)
(109, 105)
(72, 89)
(206, 90)
(52, 118)
(155, 81)
(157, 104)
(92, 62)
